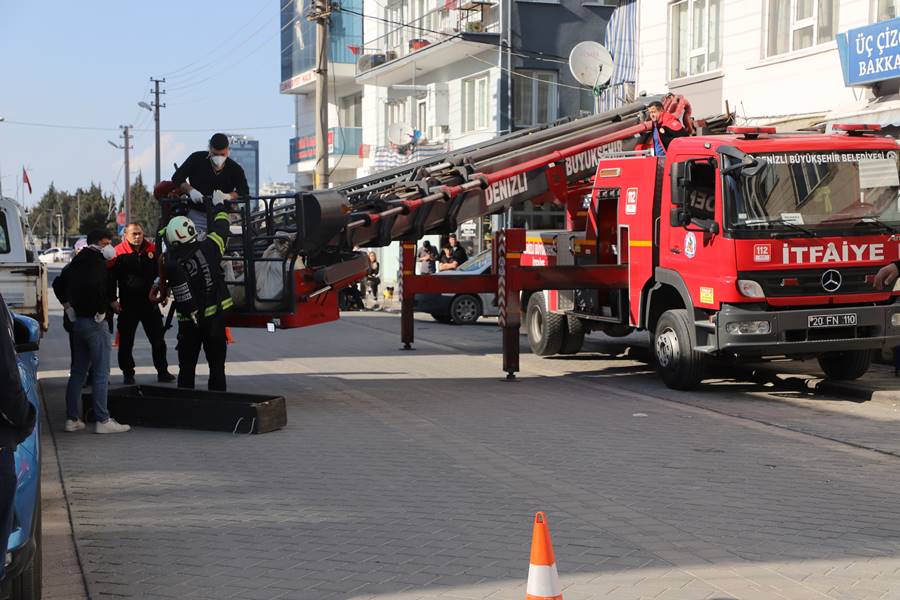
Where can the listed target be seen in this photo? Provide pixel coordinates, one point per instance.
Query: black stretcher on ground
(161, 406)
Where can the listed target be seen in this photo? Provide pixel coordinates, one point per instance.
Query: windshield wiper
(879, 222)
(781, 221)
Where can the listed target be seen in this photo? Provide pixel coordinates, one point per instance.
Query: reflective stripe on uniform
(221, 215)
(210, 310)
(220, 244)
(227, 303)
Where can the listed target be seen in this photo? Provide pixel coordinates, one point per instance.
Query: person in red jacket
(666, 127)
(135, 269)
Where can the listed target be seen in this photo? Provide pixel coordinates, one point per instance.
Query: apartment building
(774, 62)
(298, 78)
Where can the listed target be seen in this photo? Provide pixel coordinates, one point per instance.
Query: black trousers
(148, 315)
(209, 334)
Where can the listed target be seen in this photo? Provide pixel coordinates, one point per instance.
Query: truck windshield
(809, 192)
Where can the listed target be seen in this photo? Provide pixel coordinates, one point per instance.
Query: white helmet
(180, 230)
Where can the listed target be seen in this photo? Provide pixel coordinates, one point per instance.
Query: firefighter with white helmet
(193, 269)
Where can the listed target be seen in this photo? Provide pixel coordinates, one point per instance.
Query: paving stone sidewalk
(416, 475)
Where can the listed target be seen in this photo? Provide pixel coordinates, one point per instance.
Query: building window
(793, 25)
(351, 111)
(887, 9)
(422, 115)
(396, 112)
(694, 34)
(534, 97)
(475, 103)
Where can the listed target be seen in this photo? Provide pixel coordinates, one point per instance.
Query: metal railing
(431, 28)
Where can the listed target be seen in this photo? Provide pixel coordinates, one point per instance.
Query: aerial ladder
(552, 163)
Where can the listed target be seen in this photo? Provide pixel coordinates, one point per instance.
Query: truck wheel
(545, 329)
(27, 586)
(441, 318)
(678, 364)
(850, 364)
(465, 309)
(573, 339)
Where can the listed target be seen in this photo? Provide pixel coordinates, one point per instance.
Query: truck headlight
(895, 320)
(750, 289)
(748, 328)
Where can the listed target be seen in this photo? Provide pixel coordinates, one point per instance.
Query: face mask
(108, 252)
(218, 161)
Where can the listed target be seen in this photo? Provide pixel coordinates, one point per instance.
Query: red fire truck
(746, 245)
(749, 244)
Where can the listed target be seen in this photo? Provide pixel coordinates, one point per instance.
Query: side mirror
(680, 178)
(680, 216)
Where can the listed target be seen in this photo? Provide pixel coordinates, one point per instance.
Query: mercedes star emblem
(831, 280)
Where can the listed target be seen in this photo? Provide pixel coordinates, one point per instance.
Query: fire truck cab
(747, 245)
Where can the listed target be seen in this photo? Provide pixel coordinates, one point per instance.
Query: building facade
(298, 78)
(772, 62)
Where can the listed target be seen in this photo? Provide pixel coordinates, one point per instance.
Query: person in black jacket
(136, 268)
(666, 127)
(17, 417)
(194, 271)
(207, 172)
(88, 293)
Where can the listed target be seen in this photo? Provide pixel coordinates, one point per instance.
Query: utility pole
(78, 209)
(155, 108)
(321, 15)
(126, 133)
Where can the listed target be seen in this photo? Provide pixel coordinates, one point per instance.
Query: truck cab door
(691, 244)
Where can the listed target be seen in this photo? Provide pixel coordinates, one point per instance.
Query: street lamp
(145, 105)
(2, 119)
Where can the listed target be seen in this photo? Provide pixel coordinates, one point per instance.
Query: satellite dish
(591, 64)
(400, 134)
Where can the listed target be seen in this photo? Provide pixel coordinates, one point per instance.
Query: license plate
(841, 320)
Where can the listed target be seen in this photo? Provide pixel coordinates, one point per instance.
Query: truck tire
(850, 364)
(545, 329)
(27, 586)
(442, 318)
(465, 309)
(573, 339)
(678, 364)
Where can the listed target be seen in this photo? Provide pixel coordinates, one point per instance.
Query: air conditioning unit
(370, 61)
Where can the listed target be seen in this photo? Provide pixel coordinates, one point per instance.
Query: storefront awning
(884, 111)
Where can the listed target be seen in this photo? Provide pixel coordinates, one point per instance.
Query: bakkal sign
(870, 54)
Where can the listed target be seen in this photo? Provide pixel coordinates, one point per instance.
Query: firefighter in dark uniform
(193, 269)
(135, 268)
(204, 173)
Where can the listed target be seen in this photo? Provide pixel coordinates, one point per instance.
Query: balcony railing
(341, 141)
(466, 16)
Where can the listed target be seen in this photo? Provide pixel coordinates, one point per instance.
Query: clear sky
(88, 64)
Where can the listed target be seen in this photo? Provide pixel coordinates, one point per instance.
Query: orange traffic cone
(228, 338)
(116, 341)
(543, 580)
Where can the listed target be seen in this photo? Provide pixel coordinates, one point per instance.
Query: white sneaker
(74, 425)
(111, 426)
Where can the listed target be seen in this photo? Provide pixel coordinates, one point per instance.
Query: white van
(23, 278)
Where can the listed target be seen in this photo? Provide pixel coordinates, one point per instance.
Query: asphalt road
(416, 475)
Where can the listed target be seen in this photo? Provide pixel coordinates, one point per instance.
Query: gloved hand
(100, 317)
(70, 313)
(220, 197)
(194, 317)
(196, 197)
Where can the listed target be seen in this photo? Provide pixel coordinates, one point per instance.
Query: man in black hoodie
(17, 417)
(87, 292)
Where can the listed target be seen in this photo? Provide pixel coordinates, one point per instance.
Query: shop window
(887, 9)
(793, 25)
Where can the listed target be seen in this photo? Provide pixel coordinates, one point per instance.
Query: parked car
(23, 277)
(23, 572)
(461, 309)
(55, 255)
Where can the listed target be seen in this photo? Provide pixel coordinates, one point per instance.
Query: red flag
(25, 180)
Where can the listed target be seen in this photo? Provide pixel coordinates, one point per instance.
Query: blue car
(23, 557)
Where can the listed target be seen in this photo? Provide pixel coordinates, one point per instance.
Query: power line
(524, 76)
(227, 67)
(232, 35)
(86, 128)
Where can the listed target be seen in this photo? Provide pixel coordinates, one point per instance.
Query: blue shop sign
(871, 53)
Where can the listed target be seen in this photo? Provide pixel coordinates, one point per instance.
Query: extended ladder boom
(434, 195)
